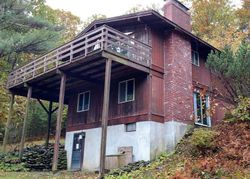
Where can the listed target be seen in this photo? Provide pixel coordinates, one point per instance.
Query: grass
(47, 175)
(15, 146)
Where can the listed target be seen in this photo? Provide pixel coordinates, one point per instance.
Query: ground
(228, 156)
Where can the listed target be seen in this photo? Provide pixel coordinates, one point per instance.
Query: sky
(85, 8)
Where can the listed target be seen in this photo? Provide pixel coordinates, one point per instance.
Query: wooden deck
(103, 38)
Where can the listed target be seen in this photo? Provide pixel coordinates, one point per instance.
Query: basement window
(195, 58)
(126, 91)
(130, 127)
(201, 110)
(83, 101)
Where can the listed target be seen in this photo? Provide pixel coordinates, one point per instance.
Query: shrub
(10, 163)
(241, 112)
(203, 138)
(35, 158)
(38, 157)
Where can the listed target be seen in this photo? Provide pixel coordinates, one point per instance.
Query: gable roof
(150, 17)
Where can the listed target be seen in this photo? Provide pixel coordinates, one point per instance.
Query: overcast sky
(85, 8)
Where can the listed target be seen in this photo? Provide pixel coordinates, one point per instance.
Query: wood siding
(201, 74)
(157, 49)
(133, 111)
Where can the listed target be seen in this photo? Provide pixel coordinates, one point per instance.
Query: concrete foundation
(149, 140)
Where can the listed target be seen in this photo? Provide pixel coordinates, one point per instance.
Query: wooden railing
(102, 38)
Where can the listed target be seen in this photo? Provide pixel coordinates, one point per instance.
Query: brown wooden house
(142, 74)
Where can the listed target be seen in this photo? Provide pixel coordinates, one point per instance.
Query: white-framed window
(83, 101)
(130, 127)
(126, 91)
(201, 109)
(195, 58)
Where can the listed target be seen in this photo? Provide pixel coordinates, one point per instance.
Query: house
(144, 72)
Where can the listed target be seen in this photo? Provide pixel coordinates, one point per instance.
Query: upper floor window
(201, 109)
(195, 58)
(83, 101)
(126, 91)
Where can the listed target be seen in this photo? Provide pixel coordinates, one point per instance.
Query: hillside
(222, 152)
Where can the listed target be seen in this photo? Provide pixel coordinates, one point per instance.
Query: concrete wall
(174, 131)
(149, 140)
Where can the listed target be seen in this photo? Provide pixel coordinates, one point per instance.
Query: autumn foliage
(231, 159)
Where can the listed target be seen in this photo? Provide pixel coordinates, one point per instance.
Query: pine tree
(233, 71)
(23, 33)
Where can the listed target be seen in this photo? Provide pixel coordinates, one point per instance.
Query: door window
(201, 109)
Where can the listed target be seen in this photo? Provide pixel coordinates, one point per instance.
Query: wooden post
(25, 122)
(49, 113)
(7, 128)
(49, 123)
(105, 109)
(58, 122)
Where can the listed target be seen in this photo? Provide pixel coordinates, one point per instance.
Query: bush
(38, 157)
(10, 163)
(241, 112)
(203, 139)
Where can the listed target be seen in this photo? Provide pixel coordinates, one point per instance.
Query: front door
(78, 151)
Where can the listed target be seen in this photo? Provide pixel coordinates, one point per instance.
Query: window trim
(194, 51)
(83, 101)
(195, 110)
(126, 82)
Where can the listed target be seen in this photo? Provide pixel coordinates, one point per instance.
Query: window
(126, 91)
(130, 127)
(201, 107)
(195, 58)
(83, 101)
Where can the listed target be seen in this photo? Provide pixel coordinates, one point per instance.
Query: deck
(125, 49)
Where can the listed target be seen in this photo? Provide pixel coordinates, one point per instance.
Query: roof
(148, 17)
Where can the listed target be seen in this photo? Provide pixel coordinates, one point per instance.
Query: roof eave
(146, 13)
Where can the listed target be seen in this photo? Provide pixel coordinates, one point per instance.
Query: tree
(27, 29)
(216, 22)
(23, 33)
(244, 18)
(92, 18)
(65, 19)
(139, 8)
(233, 71)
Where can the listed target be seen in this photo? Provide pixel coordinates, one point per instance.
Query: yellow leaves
(219, 23)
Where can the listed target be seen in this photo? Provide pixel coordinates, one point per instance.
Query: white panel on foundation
(139, 140)
(149, 140)
(157, 141)
(174, 131)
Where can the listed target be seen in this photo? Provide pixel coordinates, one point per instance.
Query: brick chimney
(178, 13)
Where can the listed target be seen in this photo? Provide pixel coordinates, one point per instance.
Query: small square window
(195, 58)
(130, 127)
(83, 101)
(126, 91)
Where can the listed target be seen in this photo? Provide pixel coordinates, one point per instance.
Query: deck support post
(7, 128)
(59, 121)
(49, 112)
(25, 122)
(49, 123)
(105, 109)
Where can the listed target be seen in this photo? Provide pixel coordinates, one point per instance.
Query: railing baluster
(110, 39)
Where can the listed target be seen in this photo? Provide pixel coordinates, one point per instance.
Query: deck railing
(102, 38)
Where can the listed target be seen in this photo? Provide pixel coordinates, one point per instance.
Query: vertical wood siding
(138, 107)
